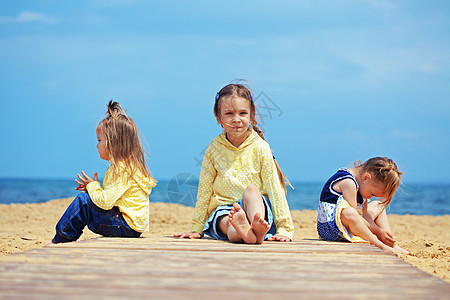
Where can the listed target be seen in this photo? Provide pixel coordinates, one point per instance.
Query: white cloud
(28, 16)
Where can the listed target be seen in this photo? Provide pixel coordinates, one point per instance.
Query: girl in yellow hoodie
(121, 207)
(242, 191)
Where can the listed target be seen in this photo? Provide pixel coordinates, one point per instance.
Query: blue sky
(336, 81)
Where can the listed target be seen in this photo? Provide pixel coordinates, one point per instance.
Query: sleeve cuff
(197, 228)
(91, 186)
(282, 231)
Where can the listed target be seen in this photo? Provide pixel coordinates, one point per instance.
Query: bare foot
(380, 245)
(384, 247)
(259, 228)
(238, 220)
(396, 249)
(399, 249)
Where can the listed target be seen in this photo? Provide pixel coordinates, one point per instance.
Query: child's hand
(84, 181)
(279, 238)
(386, 237)
(191, 235)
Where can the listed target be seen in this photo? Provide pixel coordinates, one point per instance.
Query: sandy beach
(27, 226)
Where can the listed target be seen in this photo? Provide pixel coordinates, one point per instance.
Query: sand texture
(27, 226)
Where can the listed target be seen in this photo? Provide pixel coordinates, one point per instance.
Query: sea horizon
(411, 198)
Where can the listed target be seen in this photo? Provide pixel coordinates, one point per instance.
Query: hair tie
(217, 96)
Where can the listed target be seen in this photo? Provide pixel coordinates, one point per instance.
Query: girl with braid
(344, 212)
(242, 191)
(121, 207)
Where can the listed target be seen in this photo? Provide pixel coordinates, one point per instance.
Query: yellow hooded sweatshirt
(129, 195)
(227, 171)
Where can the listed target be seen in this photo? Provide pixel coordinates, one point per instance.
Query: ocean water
(415, 199)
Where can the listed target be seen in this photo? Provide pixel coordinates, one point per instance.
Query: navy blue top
(330, 195)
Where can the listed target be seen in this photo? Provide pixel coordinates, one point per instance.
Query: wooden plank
(212, 245)
(181, 275)
(169, 268)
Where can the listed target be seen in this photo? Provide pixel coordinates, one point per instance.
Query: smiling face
(234, 116)
(101, 146)
(369, 187)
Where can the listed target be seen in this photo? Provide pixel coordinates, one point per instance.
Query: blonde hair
(385, 171)
(122, 141)
(242, 91)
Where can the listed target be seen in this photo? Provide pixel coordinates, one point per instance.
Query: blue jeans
(81, 212)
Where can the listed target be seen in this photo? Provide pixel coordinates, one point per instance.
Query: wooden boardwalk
(170, 268)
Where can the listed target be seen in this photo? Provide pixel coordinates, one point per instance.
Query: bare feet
(259, 228)
(380, 245)
(396, 249)
(399, 249)
(387, 248)
(238, 220)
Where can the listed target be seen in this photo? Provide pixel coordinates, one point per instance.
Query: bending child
(121, 207)
(241, 193)
(344, 212)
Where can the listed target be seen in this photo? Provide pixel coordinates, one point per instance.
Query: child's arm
(112, 191)
(205, 190)
(277, 197)
(208, 174)
(347, 188)
(383, 235)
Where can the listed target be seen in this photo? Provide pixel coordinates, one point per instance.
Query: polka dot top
(130, 196)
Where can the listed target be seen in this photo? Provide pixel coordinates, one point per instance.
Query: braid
(283, 179)
(257, 130)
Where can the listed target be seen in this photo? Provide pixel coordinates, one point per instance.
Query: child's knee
(349, 215)
(376, 207)
(83, 198)
(250, 192)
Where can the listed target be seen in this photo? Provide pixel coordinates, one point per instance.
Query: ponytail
(123, 142)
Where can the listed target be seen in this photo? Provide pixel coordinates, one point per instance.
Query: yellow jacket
(130, 196)
(227, 171)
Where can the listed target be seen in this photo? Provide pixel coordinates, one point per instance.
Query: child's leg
(256, 212)
(70, 227)
(226, 227)
(249, 222)
(358, 226)
(81, 212)
(239, 222)
(379, 215)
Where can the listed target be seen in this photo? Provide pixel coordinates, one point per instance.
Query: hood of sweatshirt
(222, 139)
(144, 182)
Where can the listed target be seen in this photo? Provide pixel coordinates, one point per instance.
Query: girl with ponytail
(344, 211)
(121, 207)
(242, 191)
